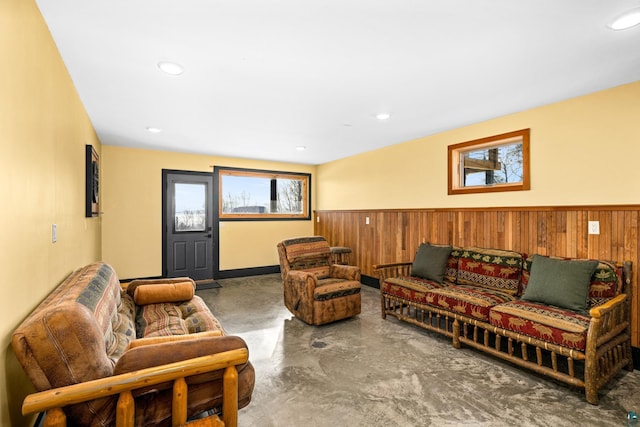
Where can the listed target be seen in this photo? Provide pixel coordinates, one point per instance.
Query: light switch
(366, 220)
(594, 227)
(54, 233)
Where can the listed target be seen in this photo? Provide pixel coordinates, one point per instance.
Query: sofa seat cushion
(335, 288)
(175, 319)
(467, 300)
(563, 327)
(410, 288)
(490, 268)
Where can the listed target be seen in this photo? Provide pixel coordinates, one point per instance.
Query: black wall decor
(92, 207)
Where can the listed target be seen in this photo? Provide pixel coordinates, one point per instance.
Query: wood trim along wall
(391, 235)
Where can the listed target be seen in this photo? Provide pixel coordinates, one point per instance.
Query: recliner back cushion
(310, 254)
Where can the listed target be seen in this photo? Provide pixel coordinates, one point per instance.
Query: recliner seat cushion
(335, 288)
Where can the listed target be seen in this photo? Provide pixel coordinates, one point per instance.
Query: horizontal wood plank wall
(393, 235)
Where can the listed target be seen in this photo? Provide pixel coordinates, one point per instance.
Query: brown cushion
(164, 292)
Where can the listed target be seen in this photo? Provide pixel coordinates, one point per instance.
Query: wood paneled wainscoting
(392, 235)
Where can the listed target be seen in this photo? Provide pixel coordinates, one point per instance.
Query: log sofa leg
(456, 333)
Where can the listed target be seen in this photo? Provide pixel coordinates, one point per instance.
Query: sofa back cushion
(558, 282)
(490, 268)
(606, 281)
(77, 334)
(451, 272)
(431, 262)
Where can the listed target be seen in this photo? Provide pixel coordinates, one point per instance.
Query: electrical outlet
(594, 227)
(54, 233)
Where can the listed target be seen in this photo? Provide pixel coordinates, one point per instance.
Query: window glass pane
(190, 210)
(289, 196)
(245, 194)
(490, 166)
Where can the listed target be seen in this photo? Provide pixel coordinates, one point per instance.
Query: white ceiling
(265, 76)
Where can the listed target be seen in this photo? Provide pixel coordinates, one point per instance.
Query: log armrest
(395, 269)
(608, 320)
(54, 400)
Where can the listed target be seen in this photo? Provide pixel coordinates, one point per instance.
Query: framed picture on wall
(92, 186)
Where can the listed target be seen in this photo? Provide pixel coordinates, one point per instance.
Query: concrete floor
(367, 371)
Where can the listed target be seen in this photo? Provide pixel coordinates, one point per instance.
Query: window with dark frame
(258, 194)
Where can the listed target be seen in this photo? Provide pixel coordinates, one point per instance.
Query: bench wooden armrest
(395, 269)
(55, 399)
(608, 320)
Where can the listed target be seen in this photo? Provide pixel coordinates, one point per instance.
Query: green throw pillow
(431, 262)
(563, 283)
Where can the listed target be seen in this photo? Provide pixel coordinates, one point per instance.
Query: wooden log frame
(52, 401)
(607, 351)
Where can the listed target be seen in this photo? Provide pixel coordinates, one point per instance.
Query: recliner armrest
(347, 272)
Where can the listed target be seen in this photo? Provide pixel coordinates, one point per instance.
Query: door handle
(209, 235)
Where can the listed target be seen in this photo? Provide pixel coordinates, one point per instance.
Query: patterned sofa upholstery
(315, 290)
(481, 302)
(90, 327)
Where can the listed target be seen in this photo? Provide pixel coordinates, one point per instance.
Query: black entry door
(187, 224)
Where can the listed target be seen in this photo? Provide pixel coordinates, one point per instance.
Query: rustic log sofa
(564, 318)
(151, 352)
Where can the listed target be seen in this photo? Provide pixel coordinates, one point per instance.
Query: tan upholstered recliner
(315, 291)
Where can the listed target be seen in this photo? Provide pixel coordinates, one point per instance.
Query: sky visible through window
(189, 197)
(257, 191)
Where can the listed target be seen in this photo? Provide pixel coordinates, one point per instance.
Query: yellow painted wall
(583, 151)
(43, 132)
(132, 206)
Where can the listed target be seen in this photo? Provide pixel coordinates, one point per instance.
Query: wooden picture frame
(92, 182)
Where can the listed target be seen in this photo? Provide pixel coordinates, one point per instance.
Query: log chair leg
(592, 396)
(456, 333)
(383, 311)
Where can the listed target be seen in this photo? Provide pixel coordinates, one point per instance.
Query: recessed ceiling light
(171, 68)
(626, 20)
(383, 116)
(154, 130)
(301, 148)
